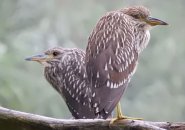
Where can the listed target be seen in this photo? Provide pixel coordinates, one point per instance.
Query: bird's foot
(123, 118)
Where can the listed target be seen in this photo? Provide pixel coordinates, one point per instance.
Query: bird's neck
(52, 76)
(142, 39)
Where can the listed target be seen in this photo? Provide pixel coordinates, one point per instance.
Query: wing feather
(110, 62)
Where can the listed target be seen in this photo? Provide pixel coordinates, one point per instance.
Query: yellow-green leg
(119, 113)
(120, 116)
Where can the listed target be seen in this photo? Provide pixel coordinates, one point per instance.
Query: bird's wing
(78, 102)
(76, 90)
(110, 62)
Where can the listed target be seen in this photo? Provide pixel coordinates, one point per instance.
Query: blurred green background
(27, 27)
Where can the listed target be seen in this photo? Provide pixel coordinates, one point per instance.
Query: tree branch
(15, 120)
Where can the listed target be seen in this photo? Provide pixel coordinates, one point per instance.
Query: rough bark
(15, 120)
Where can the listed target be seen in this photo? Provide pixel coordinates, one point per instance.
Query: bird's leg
(119, 113)
(120, 116)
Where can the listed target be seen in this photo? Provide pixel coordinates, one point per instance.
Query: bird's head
(50, 57)
(141, 15)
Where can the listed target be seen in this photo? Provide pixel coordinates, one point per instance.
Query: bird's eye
(136, 16)
(55, 53)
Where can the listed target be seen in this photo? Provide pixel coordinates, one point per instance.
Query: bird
(64, 69)
(112, 53)
(92, 84)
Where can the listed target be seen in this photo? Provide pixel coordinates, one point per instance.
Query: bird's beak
(154, 21)
(39, 58)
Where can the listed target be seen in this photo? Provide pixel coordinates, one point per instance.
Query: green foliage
(28, 27)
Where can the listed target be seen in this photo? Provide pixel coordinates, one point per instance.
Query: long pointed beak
(154, 21)
(38, 58)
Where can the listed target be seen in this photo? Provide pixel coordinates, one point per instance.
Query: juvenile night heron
(65, 70)
(112, 55)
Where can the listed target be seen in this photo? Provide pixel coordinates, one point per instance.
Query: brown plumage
(93, 83)
(112, 54)
(65, 70)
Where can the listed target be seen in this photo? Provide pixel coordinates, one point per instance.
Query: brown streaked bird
(112, 55)
(65, 70)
